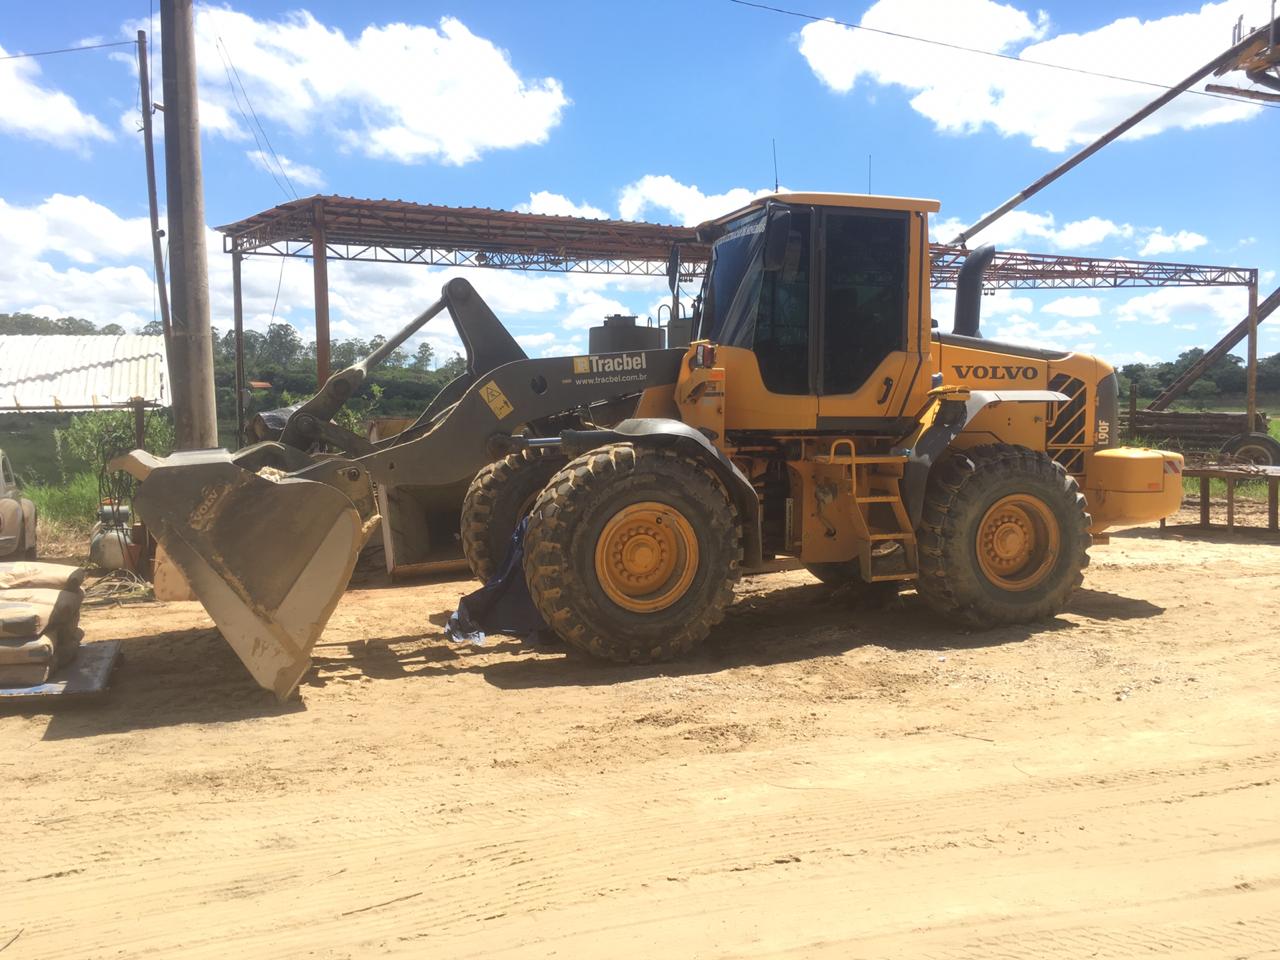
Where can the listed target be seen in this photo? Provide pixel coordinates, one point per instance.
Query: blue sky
(661, 111)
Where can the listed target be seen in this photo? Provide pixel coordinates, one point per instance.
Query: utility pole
(157, 250)
(194, 412)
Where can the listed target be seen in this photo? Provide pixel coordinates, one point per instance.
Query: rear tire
(632, 553)
(498, 499)
(1258, 448)
(1004, 537)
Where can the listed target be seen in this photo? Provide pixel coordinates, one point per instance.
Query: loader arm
(488, 345)
(268, 537)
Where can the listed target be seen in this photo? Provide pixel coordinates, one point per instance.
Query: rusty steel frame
(396, 231)
(1016, 270)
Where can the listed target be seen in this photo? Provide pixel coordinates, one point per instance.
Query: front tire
(498, 499)
(632, 553)
(1004, 537)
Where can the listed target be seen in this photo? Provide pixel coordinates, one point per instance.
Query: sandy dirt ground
(818, 782)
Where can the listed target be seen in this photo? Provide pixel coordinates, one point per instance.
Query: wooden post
(320, 279)
(139, 425)
(1273, 503)
(1204, 502)
(237, 304)
(1133, 408)
(1251, 382)
(1231, 503)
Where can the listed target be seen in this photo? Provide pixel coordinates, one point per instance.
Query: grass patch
(1245, 489)
(66, 512)
(74, 502)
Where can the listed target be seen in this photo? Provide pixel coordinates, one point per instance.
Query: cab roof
(862, 200)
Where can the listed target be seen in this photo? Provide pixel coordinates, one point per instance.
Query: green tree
(282, 345)
(423, 357)
(1202, 392)
(455, 366)
(95, 437)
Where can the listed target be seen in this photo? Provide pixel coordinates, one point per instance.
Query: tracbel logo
(614, 364)
(982, 371)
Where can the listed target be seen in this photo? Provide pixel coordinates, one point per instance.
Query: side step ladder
(881, 476)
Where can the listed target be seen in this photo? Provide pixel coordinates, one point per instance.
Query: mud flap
(269, 559)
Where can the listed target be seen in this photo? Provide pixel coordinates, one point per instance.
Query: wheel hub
(646, 556)
(1018, 542)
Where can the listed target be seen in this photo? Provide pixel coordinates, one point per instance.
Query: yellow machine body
(847, 450)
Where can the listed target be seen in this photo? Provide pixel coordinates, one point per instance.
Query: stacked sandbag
(39, 620)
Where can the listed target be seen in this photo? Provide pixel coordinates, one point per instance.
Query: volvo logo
(982, 371)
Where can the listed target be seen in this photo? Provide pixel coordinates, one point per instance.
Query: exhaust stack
(969, 291)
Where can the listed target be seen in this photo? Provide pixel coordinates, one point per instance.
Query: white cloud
(1061, 335)
(38, 112)
(555, 204)
(963, 93)
(299, 174)
(1027, 230)
(687, 204)
(1208, 309)
(400, 91)
(1131, 356)
(1158, 242)
(1018, 227)
(75, 228)
(1074, 306)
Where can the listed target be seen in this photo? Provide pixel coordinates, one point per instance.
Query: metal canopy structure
(398, 231)
(1014, 270)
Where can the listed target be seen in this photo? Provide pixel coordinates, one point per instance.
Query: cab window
(781, 342)
(864, 296)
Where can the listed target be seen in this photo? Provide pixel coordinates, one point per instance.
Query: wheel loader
(817, 414)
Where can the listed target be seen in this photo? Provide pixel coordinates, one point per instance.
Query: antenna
(775, 164)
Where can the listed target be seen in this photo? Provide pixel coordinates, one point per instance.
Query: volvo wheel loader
(817, 414)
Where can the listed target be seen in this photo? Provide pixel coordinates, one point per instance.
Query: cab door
(866, 357)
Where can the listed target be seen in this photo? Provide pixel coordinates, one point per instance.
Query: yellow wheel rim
(1018, 542)
(646, 557)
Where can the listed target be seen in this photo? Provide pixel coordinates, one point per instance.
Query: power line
(267, 139)
(87, 46)
(986, 53)
(261, 153)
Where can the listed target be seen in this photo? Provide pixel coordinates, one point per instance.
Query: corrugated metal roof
(81, 372)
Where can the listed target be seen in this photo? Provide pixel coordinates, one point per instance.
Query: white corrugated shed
(73, 372)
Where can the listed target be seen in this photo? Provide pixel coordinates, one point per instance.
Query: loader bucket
(268, 558)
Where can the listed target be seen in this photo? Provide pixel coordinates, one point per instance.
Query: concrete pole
(195, 417)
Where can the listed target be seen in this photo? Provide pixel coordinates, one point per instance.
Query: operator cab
(823, 301)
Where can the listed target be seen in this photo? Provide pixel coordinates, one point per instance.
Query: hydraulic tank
(621, 333)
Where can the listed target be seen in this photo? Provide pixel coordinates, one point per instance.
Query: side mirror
(673, 267)
(776, 234)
